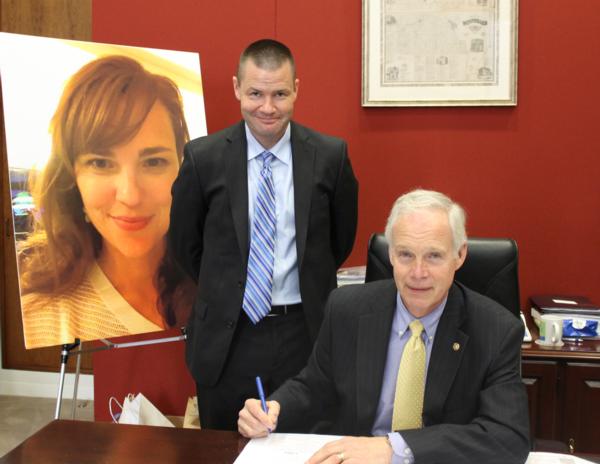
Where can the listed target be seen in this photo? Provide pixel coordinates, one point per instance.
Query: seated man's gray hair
(420, 199)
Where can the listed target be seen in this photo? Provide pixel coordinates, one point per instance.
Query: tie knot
(266, 157)
(416, 328)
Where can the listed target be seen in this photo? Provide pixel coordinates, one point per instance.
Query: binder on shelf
(561, 305)
(536, 315)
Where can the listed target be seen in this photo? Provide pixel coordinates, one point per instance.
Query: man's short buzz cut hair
(266, 54)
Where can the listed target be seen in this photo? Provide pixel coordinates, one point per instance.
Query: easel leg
(64, 357)
(76, 383)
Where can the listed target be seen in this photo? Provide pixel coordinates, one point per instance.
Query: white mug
(551, 329)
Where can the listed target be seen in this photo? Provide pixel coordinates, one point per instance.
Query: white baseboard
(44, 384)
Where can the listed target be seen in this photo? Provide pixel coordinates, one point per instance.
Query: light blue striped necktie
(259, 282)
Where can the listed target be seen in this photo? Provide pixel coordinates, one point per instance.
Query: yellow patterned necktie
(410, 384)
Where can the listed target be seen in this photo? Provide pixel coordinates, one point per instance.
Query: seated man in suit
(420, 368)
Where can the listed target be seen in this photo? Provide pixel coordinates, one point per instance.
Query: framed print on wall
(439, 52)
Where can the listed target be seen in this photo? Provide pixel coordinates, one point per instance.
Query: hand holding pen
(259, 417)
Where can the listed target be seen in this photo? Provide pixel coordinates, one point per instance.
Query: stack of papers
(296, 448)
(351, 275)
(283, 448)
(553, 458)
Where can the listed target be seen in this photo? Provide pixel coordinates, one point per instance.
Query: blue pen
(261, 395)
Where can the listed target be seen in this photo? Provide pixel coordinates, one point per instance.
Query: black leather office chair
(491, 268)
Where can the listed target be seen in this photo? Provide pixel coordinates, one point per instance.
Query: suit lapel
(372, 344)
(303, 159)
(446, 355)
(236, 159)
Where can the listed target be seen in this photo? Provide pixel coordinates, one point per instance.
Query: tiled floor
(21, 417)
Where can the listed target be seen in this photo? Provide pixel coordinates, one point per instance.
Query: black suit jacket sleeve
(344, 211)
(185, 237)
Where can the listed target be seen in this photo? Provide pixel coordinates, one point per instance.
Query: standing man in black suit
(424, 369)
(263, 214)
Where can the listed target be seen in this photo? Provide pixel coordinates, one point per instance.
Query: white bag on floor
(138, 410)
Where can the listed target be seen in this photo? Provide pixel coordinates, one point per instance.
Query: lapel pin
(455, 346)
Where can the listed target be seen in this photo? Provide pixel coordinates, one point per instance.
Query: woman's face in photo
(126, 191)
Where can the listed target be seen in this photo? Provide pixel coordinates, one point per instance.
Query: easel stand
(64, 358)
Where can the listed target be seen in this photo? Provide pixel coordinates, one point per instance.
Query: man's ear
(462, 255)
(236, 88)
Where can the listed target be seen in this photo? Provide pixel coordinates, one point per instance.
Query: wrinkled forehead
(422, 228)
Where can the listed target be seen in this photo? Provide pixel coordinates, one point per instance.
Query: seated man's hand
(376, 450)
(253, 422)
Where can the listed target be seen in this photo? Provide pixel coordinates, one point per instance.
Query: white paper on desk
(553, 458)
(283, 448)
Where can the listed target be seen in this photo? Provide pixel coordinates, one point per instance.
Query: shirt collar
(278, 150)
(402, 318)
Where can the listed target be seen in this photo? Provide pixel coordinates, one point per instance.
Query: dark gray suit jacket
(209, 232)
(475, 407)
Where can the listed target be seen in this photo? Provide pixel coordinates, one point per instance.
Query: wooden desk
(75, 442)
(563, 386)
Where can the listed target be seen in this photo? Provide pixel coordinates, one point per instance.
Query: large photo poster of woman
(95, 136)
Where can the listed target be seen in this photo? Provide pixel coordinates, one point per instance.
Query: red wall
(531, 172)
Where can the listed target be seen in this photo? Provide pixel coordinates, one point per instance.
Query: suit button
(230, 324)
(240, 284)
